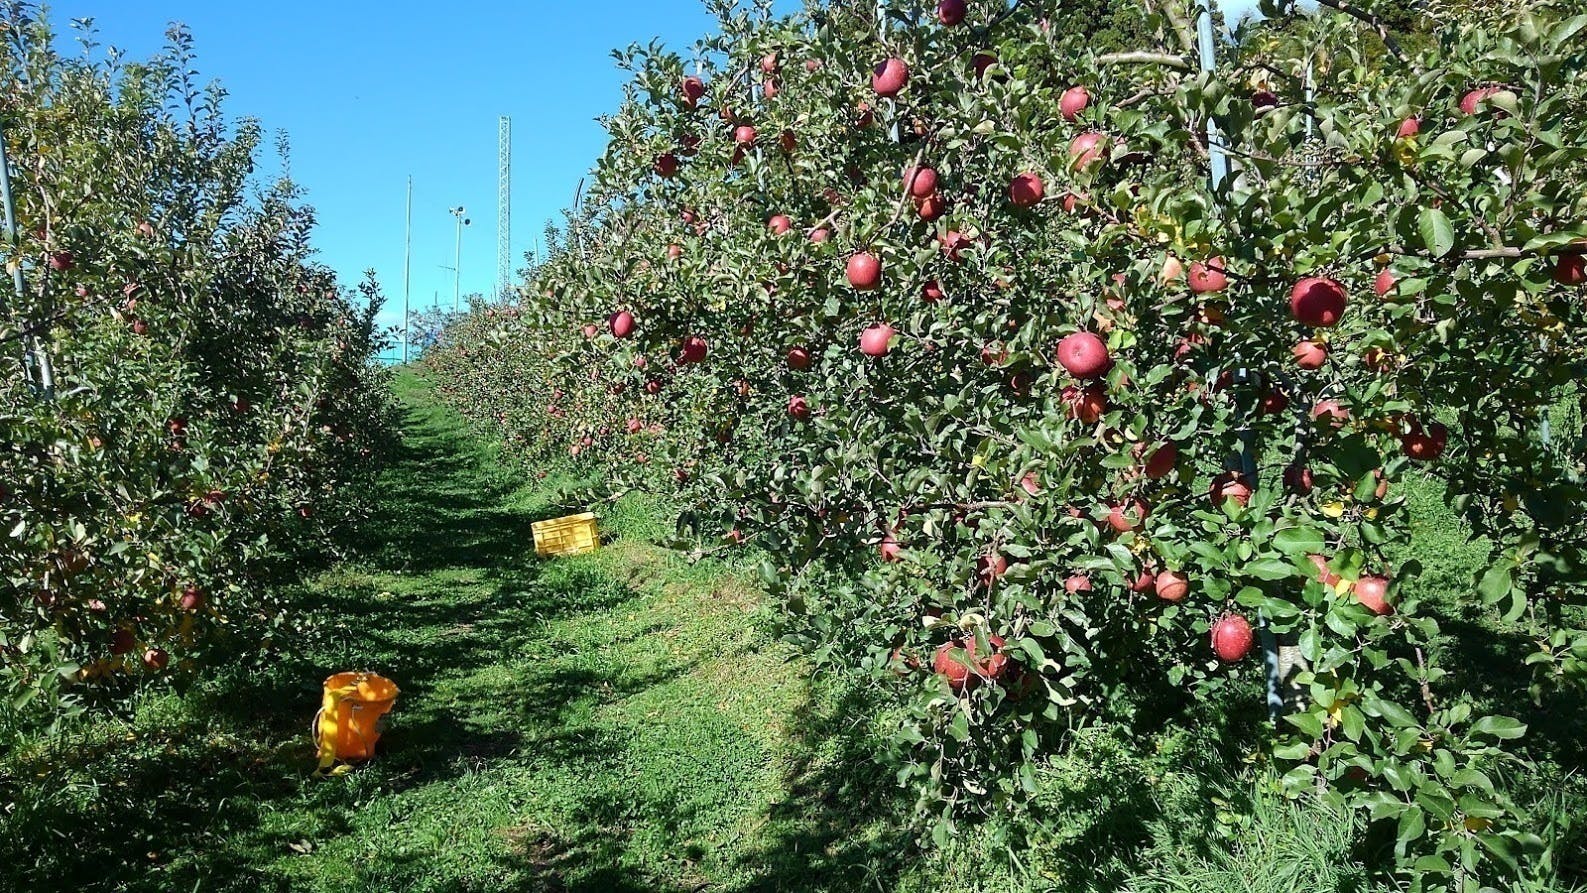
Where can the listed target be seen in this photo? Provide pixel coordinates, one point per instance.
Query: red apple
(666, 165)
(1264, 99)
(798, 409)
(1424, 445)
(1473, 99)
(1232, 638)
(820, 234)
(744, 135)
(1372, 591)
(1026, 190)
(693, 350)
(1073, 101)
(1077, 583)
(769, 89)
(954, 243)
(931, 207)
(1126, 516)
(192, 598)
(1570, 268)
(1408, 128)
(156, 658)
(931, 292)
(779, 224)
(1317, 301)
(1087, 148)
(798, 358)
(1324, 575)
(920, 181)
(981, 62)
(1310, 354)
(122, 641)
(1172, 586)
(1230, 485)
(952, 12)
(693, 89)
(60, 261)
(958, 674)
(990, 568)
(890, 77)
(874, 340)
(1275, 402)
(1208, 277)
(1087, 404)
(865, 271)
(1161, 462)
(1385, 283)
(1330, 411)
(621, 323)
(674, 251)
(1298, 479)
(1084, 355)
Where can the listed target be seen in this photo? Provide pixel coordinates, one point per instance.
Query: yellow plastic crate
(573, 535)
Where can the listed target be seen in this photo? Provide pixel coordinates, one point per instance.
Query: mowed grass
(626, 721)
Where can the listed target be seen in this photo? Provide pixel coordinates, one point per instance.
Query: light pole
(457, 257)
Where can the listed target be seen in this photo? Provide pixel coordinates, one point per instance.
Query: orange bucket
(350, 719)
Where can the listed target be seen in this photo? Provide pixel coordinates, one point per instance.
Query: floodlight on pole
(457, 256)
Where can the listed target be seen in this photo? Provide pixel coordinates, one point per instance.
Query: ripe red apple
(769, 63)
(744, 135)
(1073, 101)
(960, 676)
(954, 243)
(1424, 445)
(1310, 354)
(1230, 485)
(1087, 148)
(981, 62)
(1473, 99)
(156, 658)
(1331, 412)
(952, 12)
(1208, 277)
(1084, 355)
(693, 350)
(60, 261)
(890, 77)
(674, 251)
(1317, 301)
(122, 641)
(890, 549)
(779, 224)
(192, 598)
(1232, 638)
(1324, 575)
(864, 115)
(1162, 460)
(994, 354)
(1570, 268)
(1077, 583)
(931, 207)
(798, 358)
(798, 409)
(652, 387)
(1372, 591)
(1126, 516)
(621, 323)
(1298, 479)
(666, 165)
(920, 181)
(1264, 99)
(1408, 128)
(787, 139)
(1275, 402)
(1088, 404)
(990, 568)
(769, 89)
(634, 425)
(1172, 586)
(1145, 581)
(146, 229)
(140, 327)
(1385, 283)
(1030, 482)
(874, 340)
(1026, 190)
(591, 330)
(693, 89)
(865, 271)
(820, 234)
(931, 292)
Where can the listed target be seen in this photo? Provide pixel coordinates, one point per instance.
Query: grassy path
(612, 722)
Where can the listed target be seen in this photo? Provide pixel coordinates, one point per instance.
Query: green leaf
(1271, 569)
(1501, 727)
(1438, 235)
(1496, 583)
(1298, 541)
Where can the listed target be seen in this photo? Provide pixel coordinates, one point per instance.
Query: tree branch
(1370, 19)
(1166, 60)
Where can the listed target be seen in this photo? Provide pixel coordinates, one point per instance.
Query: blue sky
(370, 92)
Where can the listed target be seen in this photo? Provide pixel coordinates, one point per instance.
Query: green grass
(624, 721)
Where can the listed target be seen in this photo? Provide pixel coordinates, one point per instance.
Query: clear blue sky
(370, 92)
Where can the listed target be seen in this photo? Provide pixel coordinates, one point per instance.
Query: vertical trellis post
(1219, 163)
(34, 360)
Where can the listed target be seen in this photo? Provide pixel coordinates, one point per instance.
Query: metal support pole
(407, 273)
(35, 360)
(1220, 174)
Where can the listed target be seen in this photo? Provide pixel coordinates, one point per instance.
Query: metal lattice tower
(504, 208)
